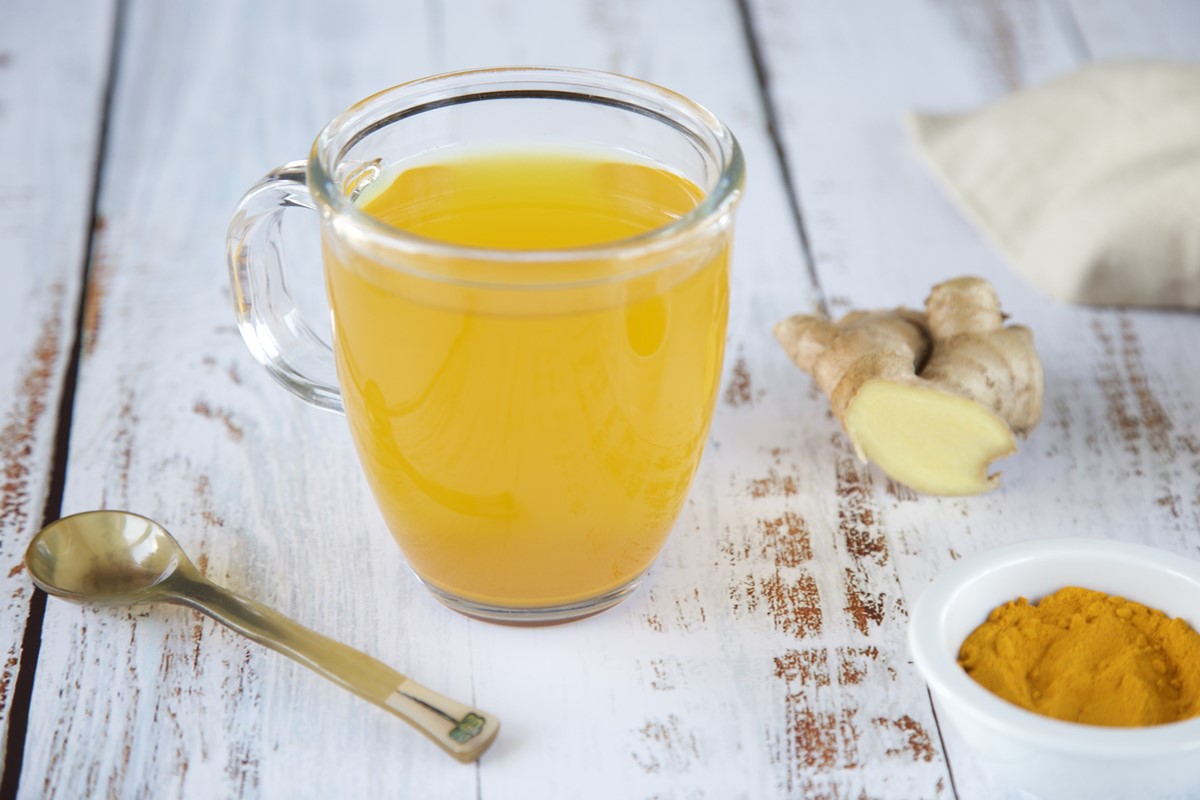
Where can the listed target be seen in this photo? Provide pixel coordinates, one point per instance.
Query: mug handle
(267, 316)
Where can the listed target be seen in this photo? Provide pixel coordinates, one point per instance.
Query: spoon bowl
(120, 558)
(102, 557)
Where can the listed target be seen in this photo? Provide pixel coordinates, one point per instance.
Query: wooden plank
(174, 420)
(1154, 29)
(50, 111)
(1114, 456)
(762, 658)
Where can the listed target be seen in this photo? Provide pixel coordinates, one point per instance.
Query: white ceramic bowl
(1048, 757)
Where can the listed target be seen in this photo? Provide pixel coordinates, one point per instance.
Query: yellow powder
(1084, 656)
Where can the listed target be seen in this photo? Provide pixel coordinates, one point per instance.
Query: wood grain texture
(50, 114)
(765, 655)
(174, 420)
(1155, 29)
(1114, 455)
(758, 581)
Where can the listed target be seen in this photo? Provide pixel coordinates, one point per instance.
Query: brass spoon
(120, 558)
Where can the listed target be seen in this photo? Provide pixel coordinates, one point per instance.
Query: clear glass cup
(529, 419)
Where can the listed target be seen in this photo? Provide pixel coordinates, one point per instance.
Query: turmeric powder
(1084, 656)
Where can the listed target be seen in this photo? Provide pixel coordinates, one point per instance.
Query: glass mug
(527, 274)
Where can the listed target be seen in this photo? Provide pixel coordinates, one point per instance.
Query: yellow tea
(532, 448)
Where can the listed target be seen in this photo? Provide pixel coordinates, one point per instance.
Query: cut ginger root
(932, 398)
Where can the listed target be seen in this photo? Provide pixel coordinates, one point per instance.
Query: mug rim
(471, 85)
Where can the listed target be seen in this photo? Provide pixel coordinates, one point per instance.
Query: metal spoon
(120, 558)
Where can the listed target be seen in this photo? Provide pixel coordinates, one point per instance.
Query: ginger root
(932, 398)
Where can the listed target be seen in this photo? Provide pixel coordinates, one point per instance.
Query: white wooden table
(765, 654)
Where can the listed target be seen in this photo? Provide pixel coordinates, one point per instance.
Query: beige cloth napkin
(1090, 183)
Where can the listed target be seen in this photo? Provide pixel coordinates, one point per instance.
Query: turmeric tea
(1084, 656)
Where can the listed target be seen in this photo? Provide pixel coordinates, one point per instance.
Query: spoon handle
(461, 730)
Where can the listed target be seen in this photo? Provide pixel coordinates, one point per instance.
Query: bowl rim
(950, 683)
